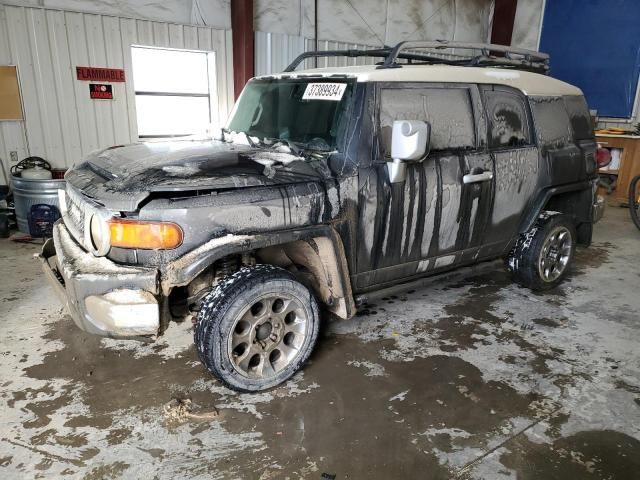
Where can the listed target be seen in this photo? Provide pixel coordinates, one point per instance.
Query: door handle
(477, 177)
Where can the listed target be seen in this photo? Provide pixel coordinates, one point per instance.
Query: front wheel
(257, 328)
(542, 256)
(634, 200)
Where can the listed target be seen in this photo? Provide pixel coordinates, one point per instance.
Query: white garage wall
(62, 124)
(526, 25)
(275, 51)
(360, 24)
(214, 13)
(377, 22)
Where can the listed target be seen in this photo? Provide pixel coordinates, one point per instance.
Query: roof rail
(490, 55)
(379, 52)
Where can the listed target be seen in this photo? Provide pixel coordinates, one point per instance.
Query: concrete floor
(471, 378)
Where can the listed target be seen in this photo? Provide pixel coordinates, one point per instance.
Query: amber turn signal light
(145, 235)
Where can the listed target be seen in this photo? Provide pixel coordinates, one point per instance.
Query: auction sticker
(324, 91)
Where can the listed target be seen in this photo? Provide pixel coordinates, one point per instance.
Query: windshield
(312, 113)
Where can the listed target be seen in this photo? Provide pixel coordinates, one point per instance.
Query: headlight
(125, 233)
(99, 235)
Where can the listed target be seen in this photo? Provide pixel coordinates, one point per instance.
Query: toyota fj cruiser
(326, 185)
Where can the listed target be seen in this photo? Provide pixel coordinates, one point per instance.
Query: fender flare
(182, 271)
(543, 198)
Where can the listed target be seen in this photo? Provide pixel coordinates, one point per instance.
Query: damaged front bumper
(103, 298)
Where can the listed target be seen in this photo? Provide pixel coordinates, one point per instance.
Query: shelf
(609, 135)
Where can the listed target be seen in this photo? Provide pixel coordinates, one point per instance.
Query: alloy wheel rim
(268, 336)
(555, 254)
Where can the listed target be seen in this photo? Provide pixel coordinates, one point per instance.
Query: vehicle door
(511, 143)
(426, 222)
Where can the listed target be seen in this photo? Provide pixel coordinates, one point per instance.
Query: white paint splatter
(400, 396)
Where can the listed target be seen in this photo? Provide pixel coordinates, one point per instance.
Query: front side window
(508, 121)
(448, 110)
(310, 113)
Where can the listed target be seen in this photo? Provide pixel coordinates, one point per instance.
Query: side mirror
(409, 142)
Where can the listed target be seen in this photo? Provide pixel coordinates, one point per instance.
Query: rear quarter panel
(560, 154)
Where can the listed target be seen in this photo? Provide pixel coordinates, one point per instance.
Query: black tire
(525, 259)
(227, 314)
(634, 200)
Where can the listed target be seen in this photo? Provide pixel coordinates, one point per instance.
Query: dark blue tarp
(595, 45)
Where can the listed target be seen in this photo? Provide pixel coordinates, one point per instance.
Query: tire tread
(221, 299)
(522, 261)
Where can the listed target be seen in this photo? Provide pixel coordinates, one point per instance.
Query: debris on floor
(179, 410)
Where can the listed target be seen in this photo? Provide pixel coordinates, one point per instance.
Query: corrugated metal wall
(274, 51)
(62, 123)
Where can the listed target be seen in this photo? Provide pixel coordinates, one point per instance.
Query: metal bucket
(27, 193)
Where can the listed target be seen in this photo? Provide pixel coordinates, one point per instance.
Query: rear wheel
(542, 256)
(257, 328)
(634, 200)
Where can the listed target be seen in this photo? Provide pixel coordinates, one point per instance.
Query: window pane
(171, 71)
(160, 115)
(580, 117)
(508, 126)
(552, 121)
(447, 110)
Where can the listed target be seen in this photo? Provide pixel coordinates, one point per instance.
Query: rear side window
(553, 128)
(508, 119)
(448, 110)
(579, 117)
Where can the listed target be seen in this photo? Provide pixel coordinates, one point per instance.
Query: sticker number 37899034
(324, 91)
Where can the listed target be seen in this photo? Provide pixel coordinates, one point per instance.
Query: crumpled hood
(124, 176)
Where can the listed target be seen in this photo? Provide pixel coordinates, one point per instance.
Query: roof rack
(379, 52)
(486, 55)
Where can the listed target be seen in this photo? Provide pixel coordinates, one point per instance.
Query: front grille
(75, 210)
(78, 210)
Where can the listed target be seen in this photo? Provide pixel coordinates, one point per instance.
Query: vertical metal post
(315, 30)
(243, 47)
(504, 14)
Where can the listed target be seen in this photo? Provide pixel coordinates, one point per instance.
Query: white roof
(529, 83)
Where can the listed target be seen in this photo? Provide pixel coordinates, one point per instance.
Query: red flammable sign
(100, 74)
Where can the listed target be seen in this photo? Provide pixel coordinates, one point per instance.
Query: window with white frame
(174, 91)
